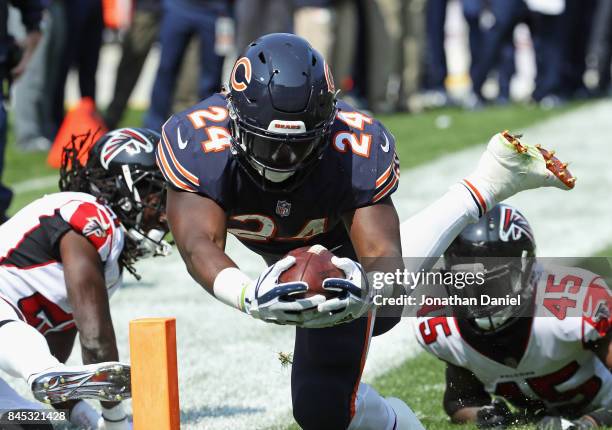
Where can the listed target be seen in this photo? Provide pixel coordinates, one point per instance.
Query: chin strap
(151, 243)
(492, 322)
(271, 175)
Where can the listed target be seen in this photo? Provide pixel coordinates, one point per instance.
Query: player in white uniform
(549, 356)
(61, 258)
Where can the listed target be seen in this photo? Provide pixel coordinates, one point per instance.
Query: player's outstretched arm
(198, 225)
(199, 228)
(374, 233)
(87, 293)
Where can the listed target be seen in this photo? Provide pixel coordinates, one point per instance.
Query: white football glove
(267, 300)
(353, 301)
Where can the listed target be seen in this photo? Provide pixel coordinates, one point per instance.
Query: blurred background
(70, 65)
(386, 55)
(442, 75)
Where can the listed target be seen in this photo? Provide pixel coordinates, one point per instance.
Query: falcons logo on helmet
(127, 140)
(513, 225)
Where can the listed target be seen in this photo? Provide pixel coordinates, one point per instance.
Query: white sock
(114, 414)
(25, 350)
(372, 412)
(429, 232)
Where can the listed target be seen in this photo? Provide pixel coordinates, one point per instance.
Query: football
(312, 265)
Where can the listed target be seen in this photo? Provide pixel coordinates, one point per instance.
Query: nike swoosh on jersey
(182, 144)
(385, 147)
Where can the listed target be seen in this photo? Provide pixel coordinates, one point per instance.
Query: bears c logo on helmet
(513, 225)
(240, 83)
(124, 140)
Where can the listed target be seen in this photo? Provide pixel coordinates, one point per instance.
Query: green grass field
(20, 166)
(420, 139)
(605, 253)
(420, 381)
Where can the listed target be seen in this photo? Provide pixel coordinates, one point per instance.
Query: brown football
(312, 265)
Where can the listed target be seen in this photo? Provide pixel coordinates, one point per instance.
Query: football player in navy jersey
(280, 163)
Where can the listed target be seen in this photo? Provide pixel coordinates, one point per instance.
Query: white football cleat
(509, 166)
(101, 381)
(406, 419)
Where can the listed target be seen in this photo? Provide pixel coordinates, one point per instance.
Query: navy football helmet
(282, 103)
(121, 172)
(502, 245)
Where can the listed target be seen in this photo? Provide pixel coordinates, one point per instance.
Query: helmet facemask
(145, 206)
(278, 161)
(503, 277)
(501, 247)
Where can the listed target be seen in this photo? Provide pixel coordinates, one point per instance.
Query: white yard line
(35, 184)
(230, 377)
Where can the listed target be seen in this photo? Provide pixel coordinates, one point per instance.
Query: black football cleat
(101, 381)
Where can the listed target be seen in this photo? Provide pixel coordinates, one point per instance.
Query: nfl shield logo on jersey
(283, 208)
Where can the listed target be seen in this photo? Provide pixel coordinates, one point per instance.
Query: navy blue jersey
(358, 168)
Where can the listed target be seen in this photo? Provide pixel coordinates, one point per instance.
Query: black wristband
(114, 421)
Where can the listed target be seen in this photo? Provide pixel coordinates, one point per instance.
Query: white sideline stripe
(229, 374)
(35, 184)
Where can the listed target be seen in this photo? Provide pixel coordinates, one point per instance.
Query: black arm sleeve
(600, 347)
(463, 390)
(54, 227)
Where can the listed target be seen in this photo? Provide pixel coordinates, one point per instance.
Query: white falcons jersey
(556, 370)
(31, 270)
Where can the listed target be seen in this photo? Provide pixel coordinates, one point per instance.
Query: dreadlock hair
(73, 173)
(79, 174)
